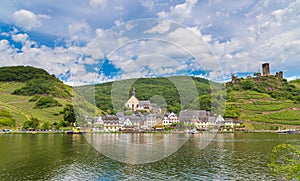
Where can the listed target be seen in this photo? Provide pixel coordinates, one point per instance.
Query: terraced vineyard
(261, 111)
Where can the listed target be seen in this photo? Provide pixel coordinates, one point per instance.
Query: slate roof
(142, 103)
(200, 115)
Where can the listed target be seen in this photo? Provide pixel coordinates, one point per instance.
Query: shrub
(5, 121)
(34, 98)
(31, 124)
(46, 101)
(4, 113)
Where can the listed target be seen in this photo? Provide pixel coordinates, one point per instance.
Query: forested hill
(147, 88)
(37, 81)
(22, 74)
(31, 98)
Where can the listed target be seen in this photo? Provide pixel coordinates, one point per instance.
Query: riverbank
(146, 132)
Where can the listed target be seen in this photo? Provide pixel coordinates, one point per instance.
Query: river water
(239, 156)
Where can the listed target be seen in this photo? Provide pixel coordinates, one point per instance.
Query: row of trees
(68, 120)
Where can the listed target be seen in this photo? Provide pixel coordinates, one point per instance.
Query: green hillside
(28, 93)
(265, 103)
(147, 88)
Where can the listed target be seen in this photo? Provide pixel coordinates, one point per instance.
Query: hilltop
(29, 94)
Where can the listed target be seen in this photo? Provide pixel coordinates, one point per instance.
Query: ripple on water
(65, 157)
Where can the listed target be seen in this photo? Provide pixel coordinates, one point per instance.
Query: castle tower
(266, 69)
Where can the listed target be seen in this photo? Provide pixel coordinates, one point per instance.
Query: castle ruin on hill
(258, 75)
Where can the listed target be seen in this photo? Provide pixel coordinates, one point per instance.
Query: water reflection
(70, 157)
(137, 148)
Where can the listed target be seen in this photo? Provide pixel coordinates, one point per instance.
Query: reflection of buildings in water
(76, 137)
(136, 148)
(225, 149)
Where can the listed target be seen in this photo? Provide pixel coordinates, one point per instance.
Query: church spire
(133, 91)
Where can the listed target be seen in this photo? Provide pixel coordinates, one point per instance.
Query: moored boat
(76, 130)
(288, 131)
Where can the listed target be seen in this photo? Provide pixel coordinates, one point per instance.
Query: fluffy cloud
(22, 37)
(240, 35)
(56, 60)
(26, 19)
(4, 45)
(179, 12)
(160, 28)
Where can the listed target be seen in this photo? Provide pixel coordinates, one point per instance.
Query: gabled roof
(192, 114)
(220, 120)
(142, 103)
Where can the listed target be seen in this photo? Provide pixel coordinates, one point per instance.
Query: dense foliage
(21, 73)
(31, 124)
(285, 162)
(43, 86)
(69, 114)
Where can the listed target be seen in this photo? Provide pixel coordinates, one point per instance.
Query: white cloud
(4, 45)
(20, 37)
(99, 32)
(162, 27)
(55, 60)
(97, 3)
(179, 12)
(26, 19)
(240, 34)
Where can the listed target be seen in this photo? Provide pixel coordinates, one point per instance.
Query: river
(230, 156)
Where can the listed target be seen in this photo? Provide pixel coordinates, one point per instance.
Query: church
(136, 105)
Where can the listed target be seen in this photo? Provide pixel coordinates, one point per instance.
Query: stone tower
(266, 69)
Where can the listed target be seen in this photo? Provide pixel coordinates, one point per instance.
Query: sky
(91, 41)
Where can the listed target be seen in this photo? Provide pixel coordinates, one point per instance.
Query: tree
(31, 124)
(285, 161)
(46, 126)
(247, 84)
(69, 114)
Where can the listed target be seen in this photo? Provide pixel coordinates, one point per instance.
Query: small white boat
(191, 131)
(288, 131)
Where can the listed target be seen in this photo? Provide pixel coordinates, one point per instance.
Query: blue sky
(100, 40)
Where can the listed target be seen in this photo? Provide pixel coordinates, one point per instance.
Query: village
(147, 117)
(144, 116)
